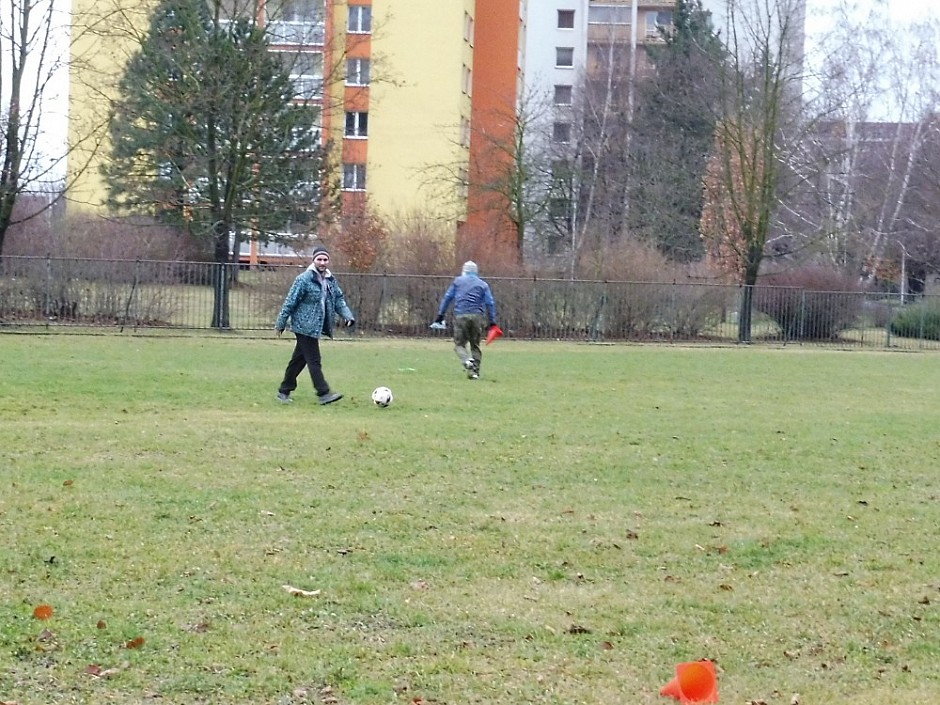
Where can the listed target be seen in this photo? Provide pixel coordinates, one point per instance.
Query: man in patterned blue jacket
(474, 313)
(313, 302)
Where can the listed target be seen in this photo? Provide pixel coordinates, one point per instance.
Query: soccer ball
(382, 396)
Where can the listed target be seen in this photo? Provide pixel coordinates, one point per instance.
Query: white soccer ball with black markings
(382, 396)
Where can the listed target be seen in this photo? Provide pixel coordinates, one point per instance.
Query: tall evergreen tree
(207, 133)
(674, 125)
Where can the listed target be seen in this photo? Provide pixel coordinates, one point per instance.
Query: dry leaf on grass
(297, 592)
(97, 671)
(43, 612)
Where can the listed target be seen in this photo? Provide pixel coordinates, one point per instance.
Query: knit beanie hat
(319, 250)
(469, 267)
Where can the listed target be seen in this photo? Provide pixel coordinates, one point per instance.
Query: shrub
(810, 303)
(920, 320)
(417, 244)
(92, 236)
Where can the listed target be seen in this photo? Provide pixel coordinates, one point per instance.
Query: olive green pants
(468, 332)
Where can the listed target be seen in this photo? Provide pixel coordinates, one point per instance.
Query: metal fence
(141, 296)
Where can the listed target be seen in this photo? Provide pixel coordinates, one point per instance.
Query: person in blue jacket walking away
(474, 314)
(313, 302)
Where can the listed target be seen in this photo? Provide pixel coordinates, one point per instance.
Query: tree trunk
(220, 280)
(754, 256)
(744, 314)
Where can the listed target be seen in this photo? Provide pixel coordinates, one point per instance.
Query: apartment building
(575, 52)
(420, 98)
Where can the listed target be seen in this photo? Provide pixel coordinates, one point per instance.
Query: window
(354, 177)
(300, 11)
(563, 95)
(357, 72)
(655, 20)
(564, 57)
(464, 132)
(298, 22)
(467, 80)
(305, 63)
(560, 212)
(360, 19)
(561, 132)
(559, 208)
(609, 14)
(357, 124)
(561, 172)
(566, 19)
(306, 73)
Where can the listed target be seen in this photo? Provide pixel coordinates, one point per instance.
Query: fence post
(47, 291)
(888, 328)
(130, 296)
(745, 313)
(220, 315)
(596, 324)
(383, 292)
(802, 328)
(920, 338)
(676, 323)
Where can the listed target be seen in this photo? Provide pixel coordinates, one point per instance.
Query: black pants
(306, 353)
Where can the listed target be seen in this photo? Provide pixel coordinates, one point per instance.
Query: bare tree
(606, 110)
(878, 87)
(510, 183)
(756, 136)
(30, 59)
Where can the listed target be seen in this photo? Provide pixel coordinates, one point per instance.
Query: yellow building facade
(396, 85)
(105, 33)
(419, 106)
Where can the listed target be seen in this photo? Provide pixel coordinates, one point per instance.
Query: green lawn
(564, 530)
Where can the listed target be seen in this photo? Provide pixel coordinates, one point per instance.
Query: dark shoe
(330, 397)
(284, 398)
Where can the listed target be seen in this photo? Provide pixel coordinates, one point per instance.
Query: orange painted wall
(495, 81)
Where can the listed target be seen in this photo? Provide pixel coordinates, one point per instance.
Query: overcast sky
(818, 21)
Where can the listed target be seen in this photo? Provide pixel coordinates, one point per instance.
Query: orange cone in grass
(695, 682)
(495, 332)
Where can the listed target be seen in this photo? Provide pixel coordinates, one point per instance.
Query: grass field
(565, 530)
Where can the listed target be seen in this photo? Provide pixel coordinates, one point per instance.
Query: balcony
(307, 87)
(608, 33)
(303, 34)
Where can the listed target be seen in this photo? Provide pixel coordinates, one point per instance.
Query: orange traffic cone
(495, 332)
(695, 682)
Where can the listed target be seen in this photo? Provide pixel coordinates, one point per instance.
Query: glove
(439, 319)
(491, 325)
(350, 322)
